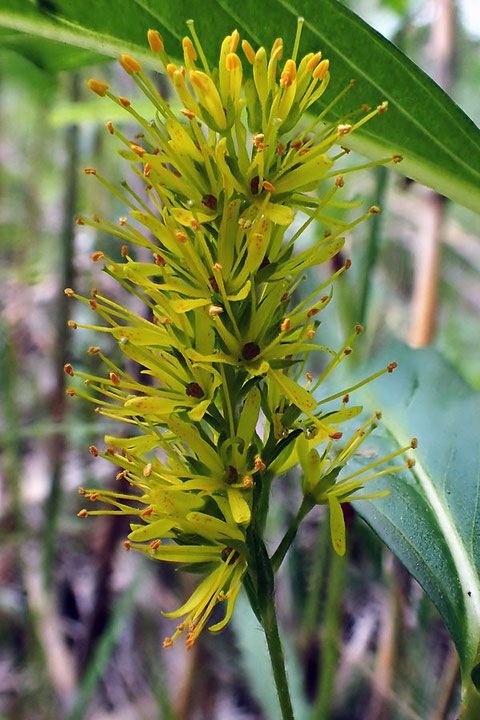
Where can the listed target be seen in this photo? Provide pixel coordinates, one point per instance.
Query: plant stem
(326, 676)
(263, 604)
(270, 626)
(470, 709)
(288, 538)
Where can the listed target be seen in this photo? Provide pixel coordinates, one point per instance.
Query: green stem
(270, 627)
(470, 709)
(288, 538)
(327, 668)
(263, 605)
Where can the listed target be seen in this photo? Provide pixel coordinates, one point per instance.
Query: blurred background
(81, 628)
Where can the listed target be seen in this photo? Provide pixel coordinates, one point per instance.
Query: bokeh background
(81, 628)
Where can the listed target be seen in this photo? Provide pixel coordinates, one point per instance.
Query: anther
(311, 333)
(359, 329)
(110, 127)
(374, 210)
(188, 113)
(68, 369)
(312, 312)
(69, 292)
(93, 350)
(347, 351)
(79, 221)
(155, 544)
(344, 129)
(321, 70)
(214, 310)
(98, 87)
(397, 158)
(90, 171)
(147, 511)
(289, 74)
(93, 304)
(268, 186)
(159, 260)
(217, 267)
(72, 324)
(124, 251)
(155, 41)
(124, 101)
(285, 325)
(335, 435)
(249, 51)
(339, 182)
(232, 62)
(378, 415)
(93, 451)
(366, 108)
(130, 65)
(83, 513)
(70, 392)
(391, 367)
(168, 642)
(414, 443)
(127, 545)
(259, 464)
(181, 236)
(381, 108)
(189, 48)
(346, 398)
(410, 463)
(247, 482)
(96, 256)
(348, 263)
(137, 149)
(114, 378)
(147, 470)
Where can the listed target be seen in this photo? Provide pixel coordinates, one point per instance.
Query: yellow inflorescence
(224, 341)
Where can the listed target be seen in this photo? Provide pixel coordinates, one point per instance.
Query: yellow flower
(222, 345)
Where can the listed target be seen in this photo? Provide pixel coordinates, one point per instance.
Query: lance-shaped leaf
(431, 519)
(439, 143)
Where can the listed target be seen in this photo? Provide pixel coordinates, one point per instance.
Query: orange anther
(93, 451)
(321, 70)
(124, 101)
(96, 256)
(130, 65)
(289, 74)
(83, 513)
(335, 435)
(98, 87)
(114, 378)
(90, 171)
(68, 369)
(391, 367)
(155, 41)
(110, 127)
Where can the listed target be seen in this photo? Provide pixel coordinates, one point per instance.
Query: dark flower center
(250, 351)
(194, 390)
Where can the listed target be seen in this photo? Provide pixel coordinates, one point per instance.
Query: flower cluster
(220, 404)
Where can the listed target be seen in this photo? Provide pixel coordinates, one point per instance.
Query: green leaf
(431, 519)
(440, 144)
